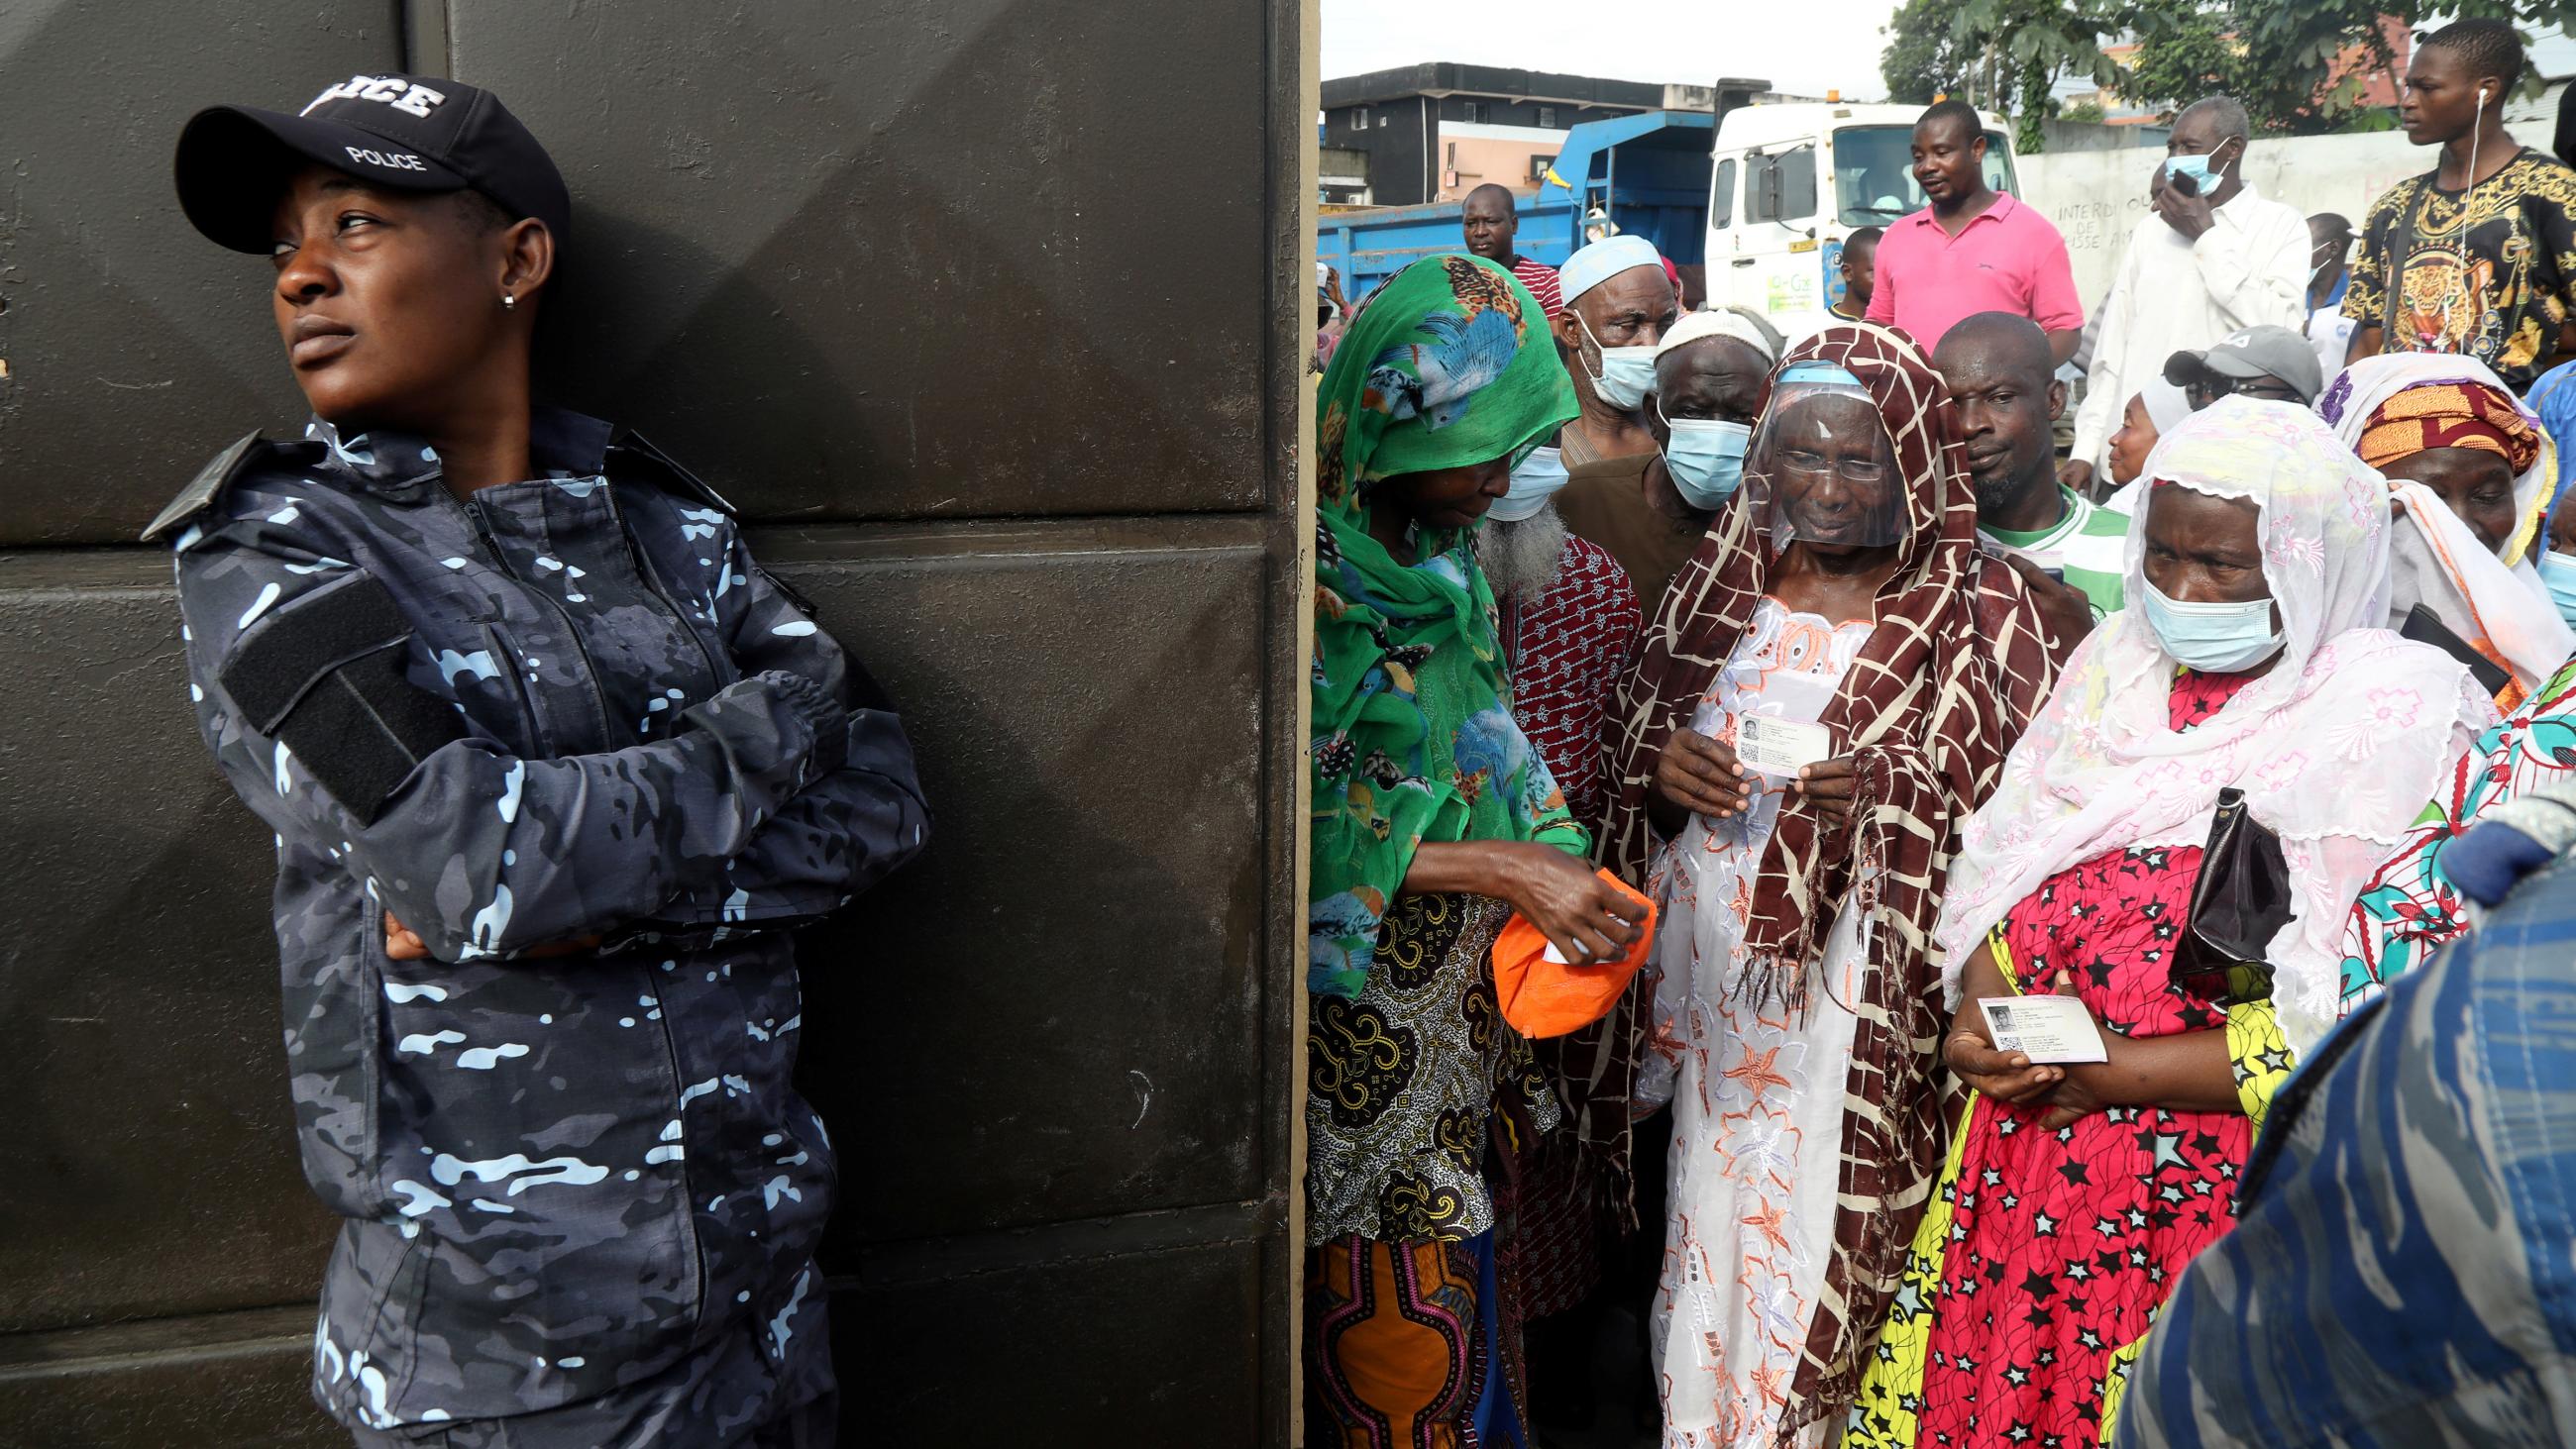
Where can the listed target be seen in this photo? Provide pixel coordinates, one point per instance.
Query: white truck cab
(1788, 182)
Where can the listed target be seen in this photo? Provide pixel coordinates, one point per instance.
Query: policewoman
(552, 766)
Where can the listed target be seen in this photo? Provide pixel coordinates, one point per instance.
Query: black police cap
(405, 132)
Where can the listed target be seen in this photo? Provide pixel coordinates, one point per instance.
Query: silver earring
(509, 301)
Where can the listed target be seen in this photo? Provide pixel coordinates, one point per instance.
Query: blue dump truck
(1751, 201)
(1646, 173)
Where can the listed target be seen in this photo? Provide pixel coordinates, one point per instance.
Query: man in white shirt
(2212, 259)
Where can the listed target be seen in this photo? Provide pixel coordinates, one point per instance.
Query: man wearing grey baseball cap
(553, 768)
(2268, 364)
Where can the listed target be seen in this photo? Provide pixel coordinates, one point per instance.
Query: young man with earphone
(2478, 255)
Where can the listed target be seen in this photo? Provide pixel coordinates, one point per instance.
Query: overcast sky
(1806, 46)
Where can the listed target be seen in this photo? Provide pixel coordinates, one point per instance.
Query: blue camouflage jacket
(2402, 1274)
(559, 709)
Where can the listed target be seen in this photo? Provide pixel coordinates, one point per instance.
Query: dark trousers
(1567, 1350)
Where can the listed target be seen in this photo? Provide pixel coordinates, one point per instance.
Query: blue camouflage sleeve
(354, 748)
(846, 830)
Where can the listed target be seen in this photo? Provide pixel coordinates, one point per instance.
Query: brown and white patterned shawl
(1928, 710)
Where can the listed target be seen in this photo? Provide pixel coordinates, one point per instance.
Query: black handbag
(2239, 902)
(2426, 627)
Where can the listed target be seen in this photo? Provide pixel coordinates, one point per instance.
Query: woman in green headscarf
(1433, 820)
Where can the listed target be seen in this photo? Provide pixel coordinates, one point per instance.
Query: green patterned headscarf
(1450, 365)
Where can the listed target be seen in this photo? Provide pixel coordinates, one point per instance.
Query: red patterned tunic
(1565, 651)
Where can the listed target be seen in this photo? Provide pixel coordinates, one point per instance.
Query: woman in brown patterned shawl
(1798, 1010)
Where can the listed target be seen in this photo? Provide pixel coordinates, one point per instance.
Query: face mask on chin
(1534, 482)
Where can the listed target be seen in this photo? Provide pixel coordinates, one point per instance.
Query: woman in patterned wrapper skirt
(1433, 821)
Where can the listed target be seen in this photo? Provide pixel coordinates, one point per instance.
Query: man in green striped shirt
(2070, 551)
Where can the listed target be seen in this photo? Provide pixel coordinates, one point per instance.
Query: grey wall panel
(1148, 1348)
(229, 1381)
(1055, 1015)
(986, 257)
(133, 347)
(138, 976)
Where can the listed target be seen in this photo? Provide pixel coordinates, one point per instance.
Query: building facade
(1436, 131)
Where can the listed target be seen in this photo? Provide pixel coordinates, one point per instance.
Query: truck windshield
(1874, 173)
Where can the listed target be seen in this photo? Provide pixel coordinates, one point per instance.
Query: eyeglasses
(1803, 463)
(2209, 387)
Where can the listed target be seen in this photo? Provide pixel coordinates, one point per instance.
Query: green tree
(2002, 54)
(1922, 61)
(2277, 56)
(2184, 59)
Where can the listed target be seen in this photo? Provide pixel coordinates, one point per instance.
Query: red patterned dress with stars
(2049, 1253)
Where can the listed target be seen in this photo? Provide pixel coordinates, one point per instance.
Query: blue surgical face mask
(2213, 638)
(2197, 168)
(1627, 373)
(2558, 571)
(1533, 483)
(1705, 458)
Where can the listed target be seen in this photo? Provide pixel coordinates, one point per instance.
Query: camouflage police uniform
(2402, 1273)
(579, 1195)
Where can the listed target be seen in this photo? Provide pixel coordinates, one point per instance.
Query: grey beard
(1521, 558)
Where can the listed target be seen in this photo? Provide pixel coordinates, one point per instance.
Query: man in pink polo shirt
(1972, 249)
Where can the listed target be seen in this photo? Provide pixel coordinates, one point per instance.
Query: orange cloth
(1543, 998)
(2449, 415)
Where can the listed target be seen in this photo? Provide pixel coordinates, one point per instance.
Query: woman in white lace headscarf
(2250, 656)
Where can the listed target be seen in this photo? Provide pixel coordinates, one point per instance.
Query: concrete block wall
(2097, 198)
(987, 314)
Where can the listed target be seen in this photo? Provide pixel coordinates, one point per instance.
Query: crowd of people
(1802, 678)
(1797, 869)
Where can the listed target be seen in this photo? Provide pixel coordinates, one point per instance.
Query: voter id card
(1780, 747)
(2046, 1029)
